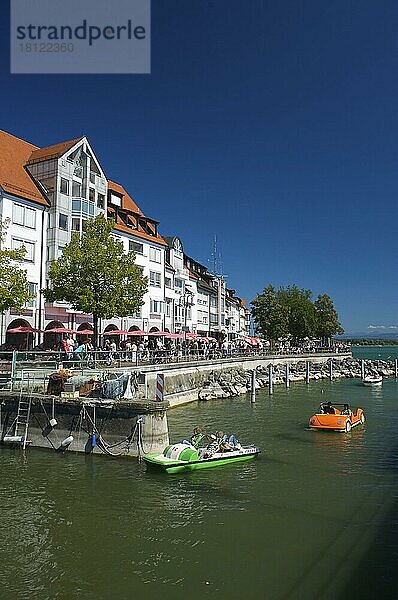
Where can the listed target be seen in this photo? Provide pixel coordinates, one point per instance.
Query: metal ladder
(22, 420)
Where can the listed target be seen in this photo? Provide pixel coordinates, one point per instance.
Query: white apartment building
(24, 208)
(140, 234)
(46, 194)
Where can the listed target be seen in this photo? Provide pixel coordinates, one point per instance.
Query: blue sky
(272, 125)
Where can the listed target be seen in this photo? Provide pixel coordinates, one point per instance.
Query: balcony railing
(82, 206)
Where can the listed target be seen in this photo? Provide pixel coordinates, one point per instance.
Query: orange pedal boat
(336, 417)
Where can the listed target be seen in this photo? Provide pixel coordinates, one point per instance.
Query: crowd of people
(157, 349)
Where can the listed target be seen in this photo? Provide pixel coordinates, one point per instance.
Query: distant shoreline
(371, 342)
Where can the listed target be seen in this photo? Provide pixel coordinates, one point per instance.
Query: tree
(14, 286)
(301, 312)
(270, 315)
(327, 318)
(290, 311)
(95, 276)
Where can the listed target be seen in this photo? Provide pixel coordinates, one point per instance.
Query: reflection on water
(314, 502)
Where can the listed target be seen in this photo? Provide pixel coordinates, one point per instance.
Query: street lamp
(185, 300)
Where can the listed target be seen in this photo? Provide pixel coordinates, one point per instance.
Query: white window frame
(67, 221)
(133, 243)
(16, 243)
(155, 255)
(23, 220)
(155, 279)
(33, 290)
(67, 186)
(156, 306)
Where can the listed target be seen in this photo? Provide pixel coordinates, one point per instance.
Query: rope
(39, 424)
(101, 443)
(140, 442)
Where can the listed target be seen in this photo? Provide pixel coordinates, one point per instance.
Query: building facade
(47, 194)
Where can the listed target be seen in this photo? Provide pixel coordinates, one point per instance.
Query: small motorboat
(183, 457)
(373, 380)
(332, 418)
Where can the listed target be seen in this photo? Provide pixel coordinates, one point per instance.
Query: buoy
(67, 442)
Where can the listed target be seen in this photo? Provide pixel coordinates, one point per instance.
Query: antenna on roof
(217, 260)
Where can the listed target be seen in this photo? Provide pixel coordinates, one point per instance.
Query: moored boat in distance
(332, 418)
(373, 380)
(178, 458)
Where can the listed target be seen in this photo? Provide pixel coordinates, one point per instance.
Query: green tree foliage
(270, 315)
(327, 318)
(14, 286)
(95, 276)
(301, 312)
(290, 312)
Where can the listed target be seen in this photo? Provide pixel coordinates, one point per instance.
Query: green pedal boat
(182, 457)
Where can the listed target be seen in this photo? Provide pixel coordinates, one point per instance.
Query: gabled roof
(14, 178)
(55, 151)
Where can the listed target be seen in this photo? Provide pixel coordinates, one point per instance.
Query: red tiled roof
(14, 178)
(141, 234)
(54, 151)
(127, 201)
(192, 274)
(128, 204)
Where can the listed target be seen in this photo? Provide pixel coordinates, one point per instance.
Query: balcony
(82, 206)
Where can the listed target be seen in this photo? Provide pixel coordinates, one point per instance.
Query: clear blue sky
(273, 125)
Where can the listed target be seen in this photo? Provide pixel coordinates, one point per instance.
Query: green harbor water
(315, 516)
(375, 352)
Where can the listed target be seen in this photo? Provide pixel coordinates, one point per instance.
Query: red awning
(137, 332)
(60, 330)
(23, 330)
(158, 333)
(116, 332)
(175, 336)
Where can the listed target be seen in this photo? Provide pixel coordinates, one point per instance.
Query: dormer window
(115, 200)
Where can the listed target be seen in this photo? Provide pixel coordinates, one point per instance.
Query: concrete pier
(120, 428)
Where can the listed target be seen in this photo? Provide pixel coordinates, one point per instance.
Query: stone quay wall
(237, 381)
(114, 425)
(223, 379)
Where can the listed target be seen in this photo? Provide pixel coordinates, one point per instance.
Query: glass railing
(83, 206)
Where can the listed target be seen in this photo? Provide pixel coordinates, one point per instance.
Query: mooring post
(253, 387)
(331, 369)
(362, 369)
(270, 380)
(13, 368)
(159, 387)
(396, 368)
(287, 376)
(307, 372)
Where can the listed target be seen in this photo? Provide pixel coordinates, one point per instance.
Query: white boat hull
(373, 381)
